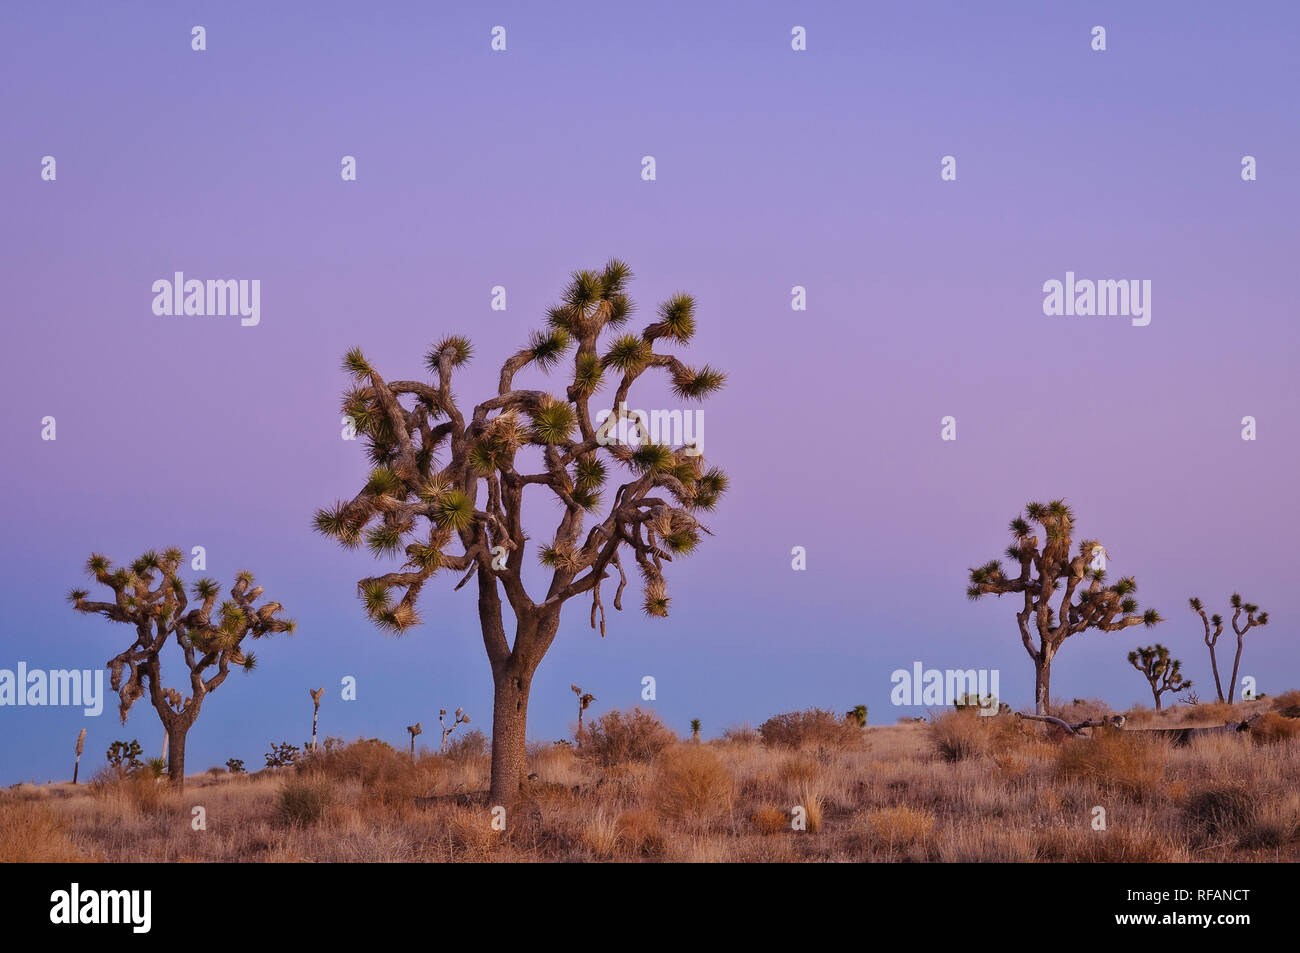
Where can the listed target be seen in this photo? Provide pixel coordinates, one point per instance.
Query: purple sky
(775, 168)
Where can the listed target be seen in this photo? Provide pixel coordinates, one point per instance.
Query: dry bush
(814, 727)
(1273, 728)
(1221, 808)
(32, 833)
(1288, 702)
(1275, 823)
(1081, 709)
(768, 819)
(798, 770)
(1115, 846)
(303, 801)
(741, 735)
(639, 833)
(618, 737)
(365, 760)
(959, 735)
(693, 784)
(472, 744)
(899, 827)
(1117, 761)
(600, 834)
(471, 833)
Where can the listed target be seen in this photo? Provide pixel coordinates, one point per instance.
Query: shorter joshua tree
(695, 729)
(461, 719)
(150, 596)
(1253, 618)
(1162, 673)
(282, 755)
(81, 745)
(415, 729)
(315, 697)
(584, 701)
(124, 756)
(857, 713)
(235, 765)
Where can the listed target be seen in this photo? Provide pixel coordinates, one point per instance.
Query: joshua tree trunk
(1155, 693)
(176, 733)
(509, 735)
(1236, 664)
(1042, 684)
(1214, 664)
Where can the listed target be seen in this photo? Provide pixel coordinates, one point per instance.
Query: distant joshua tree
(447, 474)
(695, 729)
(315, 698)
(1086, 603)
(1253, 618)
(281, 755)
(1162, 673)
(857, 713)
(124, 756)
(460, 719)
(584, 702)
(415, 729)
(161, 612)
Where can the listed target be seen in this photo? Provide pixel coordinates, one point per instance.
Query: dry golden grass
(1016, 794)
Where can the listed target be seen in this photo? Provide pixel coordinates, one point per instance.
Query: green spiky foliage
(1060, 595)
(1162, 672)
(447, 486)
(150, 596)
(1214, 628)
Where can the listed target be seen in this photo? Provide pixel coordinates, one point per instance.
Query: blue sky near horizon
(775, 168)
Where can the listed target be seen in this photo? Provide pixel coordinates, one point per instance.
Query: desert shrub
(693, 784)
(960, 735)
(741, 735)
(235, 766)
(798, 770)
(619, 737)
(156, 767)
(471, 833)
(1118, 761)
(1221, 808)
(1117, 845)
(1081, 709)
(768, 819)
(365, 760)
(1288, 701)
(639, 833)
(32, 833)
(472, 744)
(814, 727)
(303, 800)
(898, 827)
(1273, 728)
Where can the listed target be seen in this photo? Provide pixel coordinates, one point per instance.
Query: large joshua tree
(1086, 600)
(1253, 618)
(448, 486)
(149, 595)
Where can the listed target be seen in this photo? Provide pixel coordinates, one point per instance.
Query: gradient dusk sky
(775, 168)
